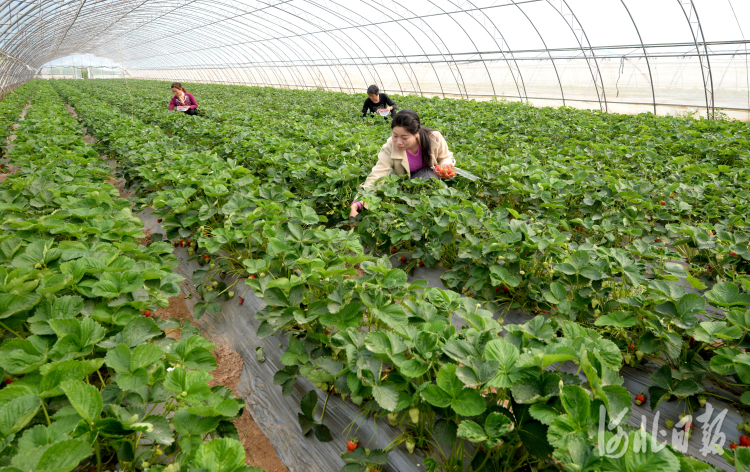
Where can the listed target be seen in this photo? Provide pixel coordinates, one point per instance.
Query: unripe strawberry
(215, 284)
(702, 400)
(669, 424)
(639, 399)
(231, 294)
(414, 415)
(410, 443)
(392, 419)
(639, 355)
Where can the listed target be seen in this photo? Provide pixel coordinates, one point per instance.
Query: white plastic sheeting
(611, 55)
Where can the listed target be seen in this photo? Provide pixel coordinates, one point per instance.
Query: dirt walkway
(259, 451)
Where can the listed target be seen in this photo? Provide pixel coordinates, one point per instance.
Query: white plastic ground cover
(276, 415)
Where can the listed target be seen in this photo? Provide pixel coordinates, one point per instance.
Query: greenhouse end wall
(677, 83)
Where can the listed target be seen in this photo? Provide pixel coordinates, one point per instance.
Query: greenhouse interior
(372, 235)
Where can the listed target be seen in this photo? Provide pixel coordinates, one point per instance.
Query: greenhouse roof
(613, 55)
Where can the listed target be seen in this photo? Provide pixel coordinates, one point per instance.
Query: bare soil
(258, 449)
(146, 240)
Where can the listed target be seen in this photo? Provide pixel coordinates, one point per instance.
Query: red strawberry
(147, 313)
(393, 250)
(546, 312)
(421, 263)
(159, 220)
(691, 342)
(632, 346)
(8, 381)
(744, 441)
(403, 259)
(351, 445)
(176, 243)
(657, 240)
(241, 301)
(182, 243)
(734, 254)
(253, 276)
(688, 426)
(639, 399)
(732, 445)
(505, 289)
(663, 203)
(206, 256)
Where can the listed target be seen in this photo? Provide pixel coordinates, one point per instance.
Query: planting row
(439, 383)
(90, 379)
(11, 107)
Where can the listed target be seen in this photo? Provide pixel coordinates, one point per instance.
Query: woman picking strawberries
(183, 100)
(412, 150)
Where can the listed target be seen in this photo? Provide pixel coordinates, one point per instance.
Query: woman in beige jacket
(411, 149)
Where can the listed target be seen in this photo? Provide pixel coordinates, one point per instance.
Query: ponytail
(409, 120)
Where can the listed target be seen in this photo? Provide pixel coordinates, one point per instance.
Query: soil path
(258, 449)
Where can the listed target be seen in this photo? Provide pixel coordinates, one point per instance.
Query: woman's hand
(355, 210)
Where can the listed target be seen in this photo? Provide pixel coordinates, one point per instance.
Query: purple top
(189, 101)
(415, 160)
(415, 163)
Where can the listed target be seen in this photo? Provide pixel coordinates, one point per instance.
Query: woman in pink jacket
(184, 101)
(412, 150)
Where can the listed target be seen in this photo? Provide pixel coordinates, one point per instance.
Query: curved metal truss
(539, 51)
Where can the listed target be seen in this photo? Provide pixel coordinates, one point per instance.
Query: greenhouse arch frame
(676, 54)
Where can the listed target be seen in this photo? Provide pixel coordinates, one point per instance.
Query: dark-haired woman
(184, 101)
(411, 150)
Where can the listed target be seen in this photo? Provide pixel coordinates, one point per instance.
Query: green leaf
(506, 355)
(727, 294)
(619, 319)
(10, 303)
(17, 413)
(436, 396)
(86, 399)
(346, 317)
(64, 456)
(144, 355)
(386, 396)
(139, 331)
(471, 431)
(188, 424)
(118, 358)
(577, 403)
(220, 455)
(645, 460)
(309, 404)
(468, 403)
